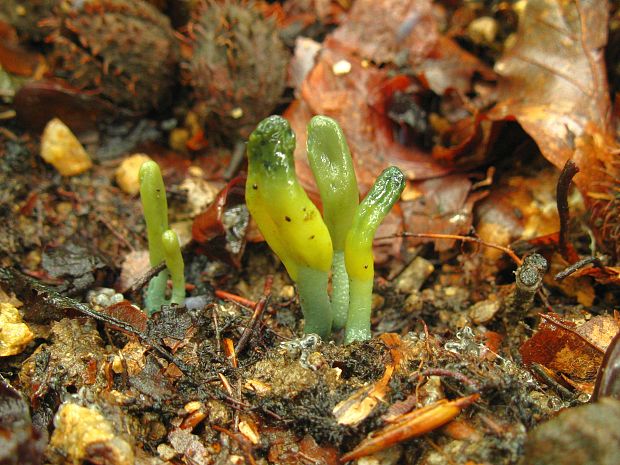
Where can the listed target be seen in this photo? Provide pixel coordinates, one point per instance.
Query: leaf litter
(480, 105)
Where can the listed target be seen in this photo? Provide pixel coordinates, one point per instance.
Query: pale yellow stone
(61, 149)
(192, 406)
(236, 113)
(287, 292)
(14, 333)
(178, 138)
(82, 431)
(341, 67)
(483, 30)
(127, 174)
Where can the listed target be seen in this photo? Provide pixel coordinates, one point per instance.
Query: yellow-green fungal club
(175, 265)
(289, 221)
(358, 250)
(155, 207)
(332, 167)
(163, 242)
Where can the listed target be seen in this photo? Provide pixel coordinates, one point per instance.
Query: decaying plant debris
(495, 307)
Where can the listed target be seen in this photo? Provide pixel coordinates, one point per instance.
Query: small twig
(216, 326)
(8, 134)
(224, 295)
(566, 176)
(270, 413)
(235, 160)
(259, 308)
(596, 261)
(453, 374)
(507, 250)
(142, 281)
(549, 381)
(245, 445)
(114, 232)
(528, 279)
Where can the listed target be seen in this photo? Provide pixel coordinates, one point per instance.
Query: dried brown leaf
(553, 82)
(570, 349)
(398, 30)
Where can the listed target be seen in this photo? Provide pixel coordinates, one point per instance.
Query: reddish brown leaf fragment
(564, 347)
(128, 313)
(221, 228)
(388, 30)
(553, 82)
(410, 425)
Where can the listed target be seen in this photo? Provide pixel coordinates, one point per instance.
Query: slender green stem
(340, 290)
(358, 249)
(358, 320)
(156, 292)
(155, 206)
(175, 265)
(312, 285)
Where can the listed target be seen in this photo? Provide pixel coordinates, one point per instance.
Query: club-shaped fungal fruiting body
(332, 166)
(163, 242)
(358, 249)
(294, 229)
(290, 223)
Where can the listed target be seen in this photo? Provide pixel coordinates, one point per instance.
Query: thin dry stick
(507, 250)
(259, 308)
(566, 176)
(596, 261)
(225, 295)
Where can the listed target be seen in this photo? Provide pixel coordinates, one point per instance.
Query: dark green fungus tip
(385, 192)
(271, 145)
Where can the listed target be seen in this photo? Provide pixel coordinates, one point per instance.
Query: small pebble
(15, 335)
(83, 435)
(483, 30)
(483, 311)
(166, 452)
(341, 67)
(413, 276)
(61, 149)
(287, 292)
(127, 174)
(104, 297)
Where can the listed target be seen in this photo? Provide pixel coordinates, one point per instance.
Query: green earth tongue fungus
(358, 249)
(163, 242)
(332, 167)
(175, 265)
(289, 221)
(155, 207)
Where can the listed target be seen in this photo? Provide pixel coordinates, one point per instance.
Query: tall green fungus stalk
(332, 166)
(358, 249)
(289, 221)
(163, 242)
(308, 246)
